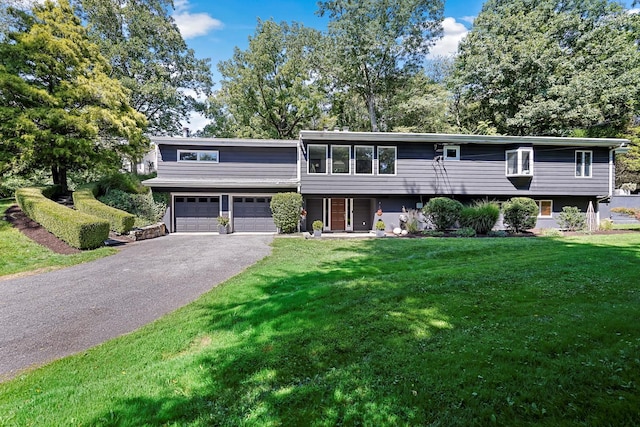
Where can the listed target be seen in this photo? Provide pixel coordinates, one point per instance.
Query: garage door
(252, 214)
(197, 213)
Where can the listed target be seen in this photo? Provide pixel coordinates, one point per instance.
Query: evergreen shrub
(520, 213)
(482, 216)
(78, 229)
(84, 200)
(286, 208)
(442, 212)
(571, 219)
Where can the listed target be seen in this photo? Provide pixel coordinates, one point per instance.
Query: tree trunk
(371, 106)
(59, 174)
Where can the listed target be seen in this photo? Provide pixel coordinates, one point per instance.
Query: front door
(338, 214)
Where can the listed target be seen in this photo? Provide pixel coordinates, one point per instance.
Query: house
(346, 178)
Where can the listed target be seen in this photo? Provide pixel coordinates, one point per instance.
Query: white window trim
(198, 153)
(575, 169)
(326, 160)
(539, 202)
(355, 159)
(348, 147)
(395, 163)
(451, 147)
(519, 162)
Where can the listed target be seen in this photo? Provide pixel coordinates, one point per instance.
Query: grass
(521, 331)
(21, 254)
(626, 226)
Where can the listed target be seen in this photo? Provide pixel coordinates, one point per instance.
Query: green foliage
(520, 213)
(59, 107)
(571, 219)
(497, 233)
(413, 221)
(78, 229)
(286, 208)
(380, 225)
(465, 232)
(433, 233)
(149, 56)
(269, 90)
(482, 216)
(549, 67)
(606, 224)
(223, 220)
(10, 183)
(126, 182)
(142, 206)
(317, 225)
(375, 45)
(442, 212)
(551, 232)
(84, 201)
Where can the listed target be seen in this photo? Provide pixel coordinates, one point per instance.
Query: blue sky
(212, 28)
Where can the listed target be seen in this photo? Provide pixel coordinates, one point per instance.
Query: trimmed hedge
(78, 229)
(85, 201)
(286, 208)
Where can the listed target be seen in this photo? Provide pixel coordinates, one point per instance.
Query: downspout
(611, 176)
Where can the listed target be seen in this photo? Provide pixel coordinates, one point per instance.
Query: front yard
(523, 331)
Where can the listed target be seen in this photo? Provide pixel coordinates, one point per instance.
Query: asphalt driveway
(51, 315)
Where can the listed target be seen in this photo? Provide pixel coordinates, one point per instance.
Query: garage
(253, 214)
(197, 213)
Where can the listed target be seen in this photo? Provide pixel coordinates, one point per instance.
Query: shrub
(520, 213)
(465, 232)
(497, 233)
(380, 225)
(317, 225)
(433, 233)
(78, 229)
(126, 182)
(443, 212)
(142, 206)
(571, 218)
(84, 200)
(481, 217)
(606, 224)
(413, 221)
(286, 208)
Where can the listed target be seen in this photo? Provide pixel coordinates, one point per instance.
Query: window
(364, 160)
(317, 158)
(387, 160)
(583, 164)
(198, 156)
(520, 162)
(545, 209)
(340, 159)
(452, 152)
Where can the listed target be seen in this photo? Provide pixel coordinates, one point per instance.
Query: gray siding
(234, 162)
(479, 172)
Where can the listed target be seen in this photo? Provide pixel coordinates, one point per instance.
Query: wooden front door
(338, 210)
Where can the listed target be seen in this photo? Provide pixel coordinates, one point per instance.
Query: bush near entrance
(286, 208)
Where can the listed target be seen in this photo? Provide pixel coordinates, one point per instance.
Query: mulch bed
(36, 232)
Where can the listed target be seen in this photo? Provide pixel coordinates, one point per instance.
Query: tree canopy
(149, 56)
(270, 90)
(59, 108)
(550, 67)
(377, 44)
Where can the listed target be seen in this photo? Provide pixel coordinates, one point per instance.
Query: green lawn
(519, 331)
(21, 254)
(626, 226)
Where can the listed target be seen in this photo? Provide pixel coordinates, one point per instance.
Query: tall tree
(149, 56)
(59, 108)
(377, 44)
(271, 90)
(550, 67)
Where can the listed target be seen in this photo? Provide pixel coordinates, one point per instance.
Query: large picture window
(387, 160)
(340, 159)
(317, 158)
(197, 156)
(364, 160)
(520, 162)
(583, 164)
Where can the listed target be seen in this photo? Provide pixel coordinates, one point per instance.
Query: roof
(224, 142)
(439, 138)
(220, 183)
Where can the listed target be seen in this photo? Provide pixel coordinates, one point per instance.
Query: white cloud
(633, 11)
(193, 25)
(468, 19)
(453, 33)
(196, 122)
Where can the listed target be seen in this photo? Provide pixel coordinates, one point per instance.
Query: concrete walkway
(51, 315)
